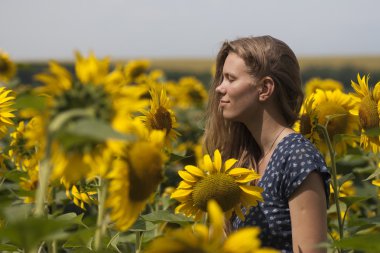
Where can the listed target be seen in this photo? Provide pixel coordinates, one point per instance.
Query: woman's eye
(229, 78)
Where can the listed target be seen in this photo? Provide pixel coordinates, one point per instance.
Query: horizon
(122, 29)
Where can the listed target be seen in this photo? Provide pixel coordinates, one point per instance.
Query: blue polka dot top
(293, 159)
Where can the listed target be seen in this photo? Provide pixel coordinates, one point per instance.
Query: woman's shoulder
(300, 157)
(295, 142)
(295, 146)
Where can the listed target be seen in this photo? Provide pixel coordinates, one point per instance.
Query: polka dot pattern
(294, 158)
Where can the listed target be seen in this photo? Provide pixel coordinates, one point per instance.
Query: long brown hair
(263, 56)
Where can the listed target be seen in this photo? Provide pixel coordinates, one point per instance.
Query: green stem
(52, 247)
(377, 161)
(139, 236)
(334, 179)
(100, 224)
(43, 181)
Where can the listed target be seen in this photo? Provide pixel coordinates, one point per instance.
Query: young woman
(254, 101)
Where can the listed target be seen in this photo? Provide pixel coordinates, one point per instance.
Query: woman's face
(238, 91)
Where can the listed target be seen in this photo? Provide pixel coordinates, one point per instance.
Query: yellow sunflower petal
(195, 170)
(376, 182)
(202, 231)
(216, 218)
(229, 163)
(85, 198)
(244, 240)
(239, 213)
(239, 171)
(184, 185)
(247, 178)
(187, 176)
(217, 160)
(250, 189)
(75, 192)
(183, 208)
(181, 194)
(249, 200)
(208, 163)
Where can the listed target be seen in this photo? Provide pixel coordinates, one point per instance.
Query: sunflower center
(19, 147)
(162, 120)
(305, 123)
(220, 187)
(137, 71)
(195, 96)
(368, 115)
(145, 170)
(4, 65)
(84, 96)
(336, 125)
(189, 248)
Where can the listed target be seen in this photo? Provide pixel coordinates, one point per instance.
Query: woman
(254, 101)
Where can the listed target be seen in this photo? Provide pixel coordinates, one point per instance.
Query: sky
(53, 29)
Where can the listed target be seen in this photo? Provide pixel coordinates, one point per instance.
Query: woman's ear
(266, 88)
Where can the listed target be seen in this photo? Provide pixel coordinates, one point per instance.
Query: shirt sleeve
(302, 160)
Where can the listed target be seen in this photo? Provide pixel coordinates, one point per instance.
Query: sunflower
(202, 239)
(91, 70)
(339, 111)
(134, 177)
(80, 197)
(95, 91)
(160, 116)
(323, 84)
(6, 110)
(21, 155)
(369, 112)
(135, 69)
(188, 92)
(29, 183)
(227, 185)
(3, 166)
(306, 125)
(347, 189)
(7, 67)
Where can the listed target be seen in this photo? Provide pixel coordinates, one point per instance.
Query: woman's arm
(308, 215)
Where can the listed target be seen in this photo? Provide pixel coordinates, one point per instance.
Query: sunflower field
(108, 158)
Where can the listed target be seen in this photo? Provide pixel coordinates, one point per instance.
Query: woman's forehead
(235, 64)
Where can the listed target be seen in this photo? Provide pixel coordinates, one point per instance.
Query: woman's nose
(220, 89)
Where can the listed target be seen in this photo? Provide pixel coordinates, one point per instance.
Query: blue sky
(53, 29)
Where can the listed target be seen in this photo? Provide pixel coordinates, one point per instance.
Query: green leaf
(8, 247)
(142, 226)
(349, 201)
(114, 241)
(72, 218)
(345, 178)
(95, 130)
(344, 137)
(30, 232)
(348, 162)
(62, 119)
(80, 239)
(373, 132)
(15, 175)
(177, 157)
(363, 221)
(367, 243)
(30, 101)
(166, 216)
(14, 213)
(373, 175)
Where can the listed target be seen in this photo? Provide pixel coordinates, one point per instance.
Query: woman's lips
(223, 102)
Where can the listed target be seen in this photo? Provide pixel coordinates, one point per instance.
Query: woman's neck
(268, 132)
